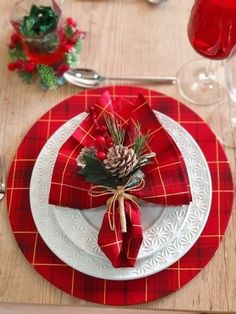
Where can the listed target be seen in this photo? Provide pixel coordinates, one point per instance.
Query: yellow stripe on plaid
(112, 243)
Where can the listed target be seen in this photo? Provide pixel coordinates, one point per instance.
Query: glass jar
(39, 23)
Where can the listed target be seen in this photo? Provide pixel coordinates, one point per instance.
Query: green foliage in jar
(40, 21)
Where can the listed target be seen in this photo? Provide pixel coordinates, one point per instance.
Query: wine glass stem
(207, 71)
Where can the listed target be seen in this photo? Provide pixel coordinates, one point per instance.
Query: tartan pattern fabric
(112, 292)
(166, 178)
(122, 248)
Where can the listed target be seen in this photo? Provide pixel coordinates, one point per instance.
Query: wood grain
(124, 37)
(50, 309)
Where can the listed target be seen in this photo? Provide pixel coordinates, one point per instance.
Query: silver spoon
(88, 78)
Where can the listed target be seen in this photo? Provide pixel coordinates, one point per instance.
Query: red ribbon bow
(166, 179)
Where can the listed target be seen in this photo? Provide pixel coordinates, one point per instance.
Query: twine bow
(118, 195)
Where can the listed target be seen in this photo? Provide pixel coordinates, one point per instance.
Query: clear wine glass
(212, 33)
(223, 118)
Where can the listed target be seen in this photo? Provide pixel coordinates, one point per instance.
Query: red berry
(62, 68)
(100, 140)
(68, 47)
(71, 22)
(11, 66)
(12, 45)
(101, 155)
(29, 66)
(72, 41)
(15, 38)
(109, 142)
(20, 64)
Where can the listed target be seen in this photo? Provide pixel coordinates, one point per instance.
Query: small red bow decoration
(166, 178)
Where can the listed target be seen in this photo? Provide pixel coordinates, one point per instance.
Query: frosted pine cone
(120, 160)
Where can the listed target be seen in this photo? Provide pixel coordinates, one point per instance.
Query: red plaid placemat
(109, 291)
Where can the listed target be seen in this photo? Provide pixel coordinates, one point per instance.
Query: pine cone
(120, 160)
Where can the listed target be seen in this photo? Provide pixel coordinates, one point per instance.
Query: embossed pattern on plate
(168, 234)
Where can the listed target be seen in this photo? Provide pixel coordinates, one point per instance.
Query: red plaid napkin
(166, 179)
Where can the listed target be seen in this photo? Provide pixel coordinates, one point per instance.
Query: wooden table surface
(124, 37)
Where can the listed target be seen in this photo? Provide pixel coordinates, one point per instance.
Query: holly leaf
(95, 172)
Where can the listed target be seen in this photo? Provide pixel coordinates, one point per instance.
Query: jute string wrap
(120, 194)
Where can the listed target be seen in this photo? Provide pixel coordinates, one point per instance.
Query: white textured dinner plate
(169, 232)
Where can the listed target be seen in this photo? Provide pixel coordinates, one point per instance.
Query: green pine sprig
(139, 145)
(16, 54)
(72, 59)
(47, 76)
(27, 77)
(78, 45)
(115, 128)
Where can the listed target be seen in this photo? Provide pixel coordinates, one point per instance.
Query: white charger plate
(169, 232)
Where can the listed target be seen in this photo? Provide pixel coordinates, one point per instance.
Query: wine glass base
(201, 82)
(223, 122)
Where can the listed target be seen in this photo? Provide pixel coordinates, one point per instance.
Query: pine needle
(78, 45)
(115, 129)
(26, 76)
(47, 76)
(72, 58)
(16, 53)
(140, 142)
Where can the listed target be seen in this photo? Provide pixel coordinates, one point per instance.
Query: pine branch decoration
(71, 59)
(27, 77)
(16, 54)
(47, 76)
(78, 45)
(115, 129)
(140, 142)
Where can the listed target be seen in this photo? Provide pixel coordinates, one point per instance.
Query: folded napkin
(166, 178)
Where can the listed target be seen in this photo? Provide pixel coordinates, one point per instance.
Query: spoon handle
(154, 79)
